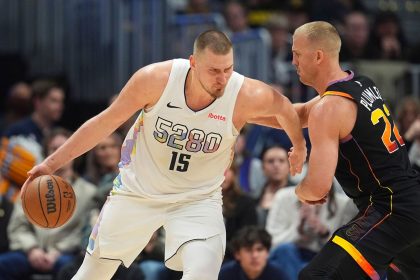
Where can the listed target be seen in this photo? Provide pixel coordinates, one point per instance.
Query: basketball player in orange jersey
(354, 137)
(174, 157)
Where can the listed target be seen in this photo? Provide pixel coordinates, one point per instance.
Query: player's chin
(217, 93)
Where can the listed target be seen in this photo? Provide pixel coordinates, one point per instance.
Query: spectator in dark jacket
(251, 247)
(238, 208)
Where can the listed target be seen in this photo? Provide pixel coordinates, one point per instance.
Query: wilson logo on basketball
(50, 196)
(217, 117)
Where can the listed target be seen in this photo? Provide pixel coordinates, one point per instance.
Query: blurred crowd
(271, 234)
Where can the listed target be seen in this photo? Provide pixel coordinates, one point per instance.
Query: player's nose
(221, 79)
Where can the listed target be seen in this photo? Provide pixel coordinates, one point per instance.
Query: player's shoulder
(158, 70)
(252, 86)
(256, 92)
(330, 108)
(153, 77)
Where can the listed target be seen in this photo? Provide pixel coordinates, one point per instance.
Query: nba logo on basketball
(50, 196)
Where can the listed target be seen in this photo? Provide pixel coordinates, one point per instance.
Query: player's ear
(319, 56)
(192, 61)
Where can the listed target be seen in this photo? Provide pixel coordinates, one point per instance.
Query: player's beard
(217, 93)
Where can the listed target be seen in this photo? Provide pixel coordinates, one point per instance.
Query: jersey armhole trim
(233, 130)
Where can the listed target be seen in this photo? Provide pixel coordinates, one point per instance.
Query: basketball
(48, 201)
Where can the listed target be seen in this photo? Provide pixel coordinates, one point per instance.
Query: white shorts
(126, 224)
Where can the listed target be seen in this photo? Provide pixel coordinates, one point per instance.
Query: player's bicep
(137, 93)
(266, 101)
(324, 137)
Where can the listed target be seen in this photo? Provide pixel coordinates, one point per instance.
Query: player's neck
(196, 96)
(326, 77)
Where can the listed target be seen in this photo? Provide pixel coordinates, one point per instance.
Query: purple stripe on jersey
(346, 139)
(349, 77)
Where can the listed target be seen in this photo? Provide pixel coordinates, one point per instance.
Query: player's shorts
(375, 240)
(127, 222)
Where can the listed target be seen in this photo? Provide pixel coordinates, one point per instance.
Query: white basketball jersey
(173, 153)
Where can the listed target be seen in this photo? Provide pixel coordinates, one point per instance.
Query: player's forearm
(84, 139)
(303, 109)
(290, 122)
(300, 109)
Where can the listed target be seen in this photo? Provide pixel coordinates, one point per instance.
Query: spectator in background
(413, 135)
(300, 230)
(414, 54)
(356, 32)
(296, 16)
(407, 112)
(249, 174)
(191, 7)
(333, 11)
(102, 166)
(251, 247)
(197, 7)
(40, 250)
(21, 146)
(48, 102)
(388, 37)
(6, 208)
(18, 104)
(276, 171)
(281, 54)
(238, 208)
(236, 17)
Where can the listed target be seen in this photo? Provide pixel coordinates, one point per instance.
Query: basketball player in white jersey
(174, 158)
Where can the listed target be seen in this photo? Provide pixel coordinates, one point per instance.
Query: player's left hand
(297, 157)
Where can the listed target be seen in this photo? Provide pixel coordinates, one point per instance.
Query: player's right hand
(36, 171)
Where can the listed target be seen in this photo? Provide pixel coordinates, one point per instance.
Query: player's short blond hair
(323, 35)
(214, 40)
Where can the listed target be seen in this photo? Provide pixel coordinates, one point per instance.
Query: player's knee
(203, 269)
(207, 265)
(200, 272)
(96, 268)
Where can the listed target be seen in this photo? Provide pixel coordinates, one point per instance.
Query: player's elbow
(320, 191)
(314, 191)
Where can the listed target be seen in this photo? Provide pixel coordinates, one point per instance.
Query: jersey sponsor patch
(217, 117)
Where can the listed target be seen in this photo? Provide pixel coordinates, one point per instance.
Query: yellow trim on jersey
(339, 93)
(357, 256)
